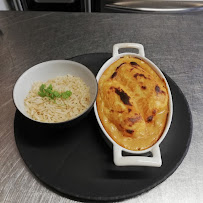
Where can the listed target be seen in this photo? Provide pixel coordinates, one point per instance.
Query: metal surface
(54, 1)
(18, 5)
(87, 6)
(156, 5)
(173, 42)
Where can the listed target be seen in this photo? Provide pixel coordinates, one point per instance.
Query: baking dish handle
(140, 48)
(120, 160)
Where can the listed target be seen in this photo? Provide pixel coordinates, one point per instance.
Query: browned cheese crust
(132, 103)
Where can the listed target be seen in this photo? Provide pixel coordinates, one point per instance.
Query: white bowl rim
(37, 66)
(169, 118)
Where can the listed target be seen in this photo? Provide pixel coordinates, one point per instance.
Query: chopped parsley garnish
(52, 94)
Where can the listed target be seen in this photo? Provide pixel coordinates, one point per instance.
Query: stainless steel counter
(173, 42)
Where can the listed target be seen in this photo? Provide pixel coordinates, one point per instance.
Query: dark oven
(110, 6)
(53, 5)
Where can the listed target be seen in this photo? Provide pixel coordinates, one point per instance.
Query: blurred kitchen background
(107, 6)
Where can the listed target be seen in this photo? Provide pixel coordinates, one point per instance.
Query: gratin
(132, 103)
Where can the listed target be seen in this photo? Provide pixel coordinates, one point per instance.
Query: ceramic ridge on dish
(132, 103)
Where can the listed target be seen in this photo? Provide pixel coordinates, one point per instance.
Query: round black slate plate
(77, 163)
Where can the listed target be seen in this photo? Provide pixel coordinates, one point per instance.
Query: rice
(47, 110)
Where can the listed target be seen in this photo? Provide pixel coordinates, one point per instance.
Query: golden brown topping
(114, 74)
(158, 90)
(135, 119)
(133, 63)
(154, 112)
(138, 100)
(150, 118)
(120, 111)
(130, 131)
(123, 96)
(119, 66)
(141, 75)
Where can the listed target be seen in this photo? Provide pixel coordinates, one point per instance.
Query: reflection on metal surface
(18, 5)
(54, 1)
(156, 5)
(87, 6)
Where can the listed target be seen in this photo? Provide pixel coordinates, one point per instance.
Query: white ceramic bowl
(134, 160)
(48, 70)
